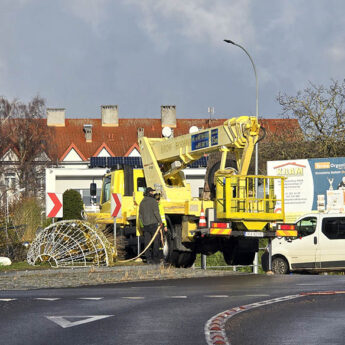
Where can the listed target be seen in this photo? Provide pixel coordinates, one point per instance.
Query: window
(306, 226)
(106, 189)
(40, 180)
(141, 184)
(10, 180)
(334, 228)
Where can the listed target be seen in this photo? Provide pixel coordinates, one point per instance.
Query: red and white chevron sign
(116, 204)
(54, 207)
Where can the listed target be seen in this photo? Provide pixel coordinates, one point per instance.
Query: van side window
(334, 228)
(106, 189)
(306, 226)
(141, 184)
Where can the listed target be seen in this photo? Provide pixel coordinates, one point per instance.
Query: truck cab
(128, 182)
(319, 246)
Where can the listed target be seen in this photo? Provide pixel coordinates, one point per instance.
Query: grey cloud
(80, 54)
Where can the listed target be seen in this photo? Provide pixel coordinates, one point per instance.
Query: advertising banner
(311, 184)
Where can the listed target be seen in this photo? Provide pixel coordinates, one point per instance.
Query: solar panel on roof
(136, 162)
(100, 162)
(132, 161)
(202, 162)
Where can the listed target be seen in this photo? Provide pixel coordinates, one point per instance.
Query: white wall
(195, 177)
(58, 180)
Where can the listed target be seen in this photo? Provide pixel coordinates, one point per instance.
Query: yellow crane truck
(237, 216)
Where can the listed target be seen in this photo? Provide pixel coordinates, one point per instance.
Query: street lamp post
(256, 145)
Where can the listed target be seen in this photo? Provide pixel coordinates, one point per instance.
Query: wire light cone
(71, 243)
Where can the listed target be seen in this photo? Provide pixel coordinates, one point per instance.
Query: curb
(215, 326)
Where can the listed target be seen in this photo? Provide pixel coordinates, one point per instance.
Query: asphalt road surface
(175, 312)
(311, 320)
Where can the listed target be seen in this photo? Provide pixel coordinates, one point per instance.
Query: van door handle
(315, 240)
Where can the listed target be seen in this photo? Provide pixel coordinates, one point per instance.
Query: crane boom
(163, 158)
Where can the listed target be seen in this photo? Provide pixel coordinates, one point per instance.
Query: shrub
(27, 212)
(72, 205)
(23, 220)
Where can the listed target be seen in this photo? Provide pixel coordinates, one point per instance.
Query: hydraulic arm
(164, 158)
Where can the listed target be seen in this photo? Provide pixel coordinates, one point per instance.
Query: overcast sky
(141, 54)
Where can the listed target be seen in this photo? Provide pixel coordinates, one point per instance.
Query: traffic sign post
(115, 210)
(54, 207)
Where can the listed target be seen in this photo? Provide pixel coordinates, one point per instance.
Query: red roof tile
(103, 146)
(134, 146)
(72, 147)
(120, 139)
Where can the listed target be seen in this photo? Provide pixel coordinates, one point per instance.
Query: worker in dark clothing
(150, 219)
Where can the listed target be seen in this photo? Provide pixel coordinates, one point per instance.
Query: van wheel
(280, 266)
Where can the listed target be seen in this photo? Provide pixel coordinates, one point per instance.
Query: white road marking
(136, 297)
(217, 296)
(91, 298)
(178, 296)
(7, 299)
(320, 283)
(47, 299)
(64, 323)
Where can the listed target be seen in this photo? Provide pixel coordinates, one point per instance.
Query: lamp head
(229, 41)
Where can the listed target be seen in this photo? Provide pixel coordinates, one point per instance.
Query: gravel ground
(73, 277)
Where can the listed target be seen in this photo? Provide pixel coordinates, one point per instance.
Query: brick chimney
(110, 116)
(88, 133)
(56, 117)
(140, 132)
(168, 116)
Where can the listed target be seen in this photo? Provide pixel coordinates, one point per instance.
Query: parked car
(320, 246)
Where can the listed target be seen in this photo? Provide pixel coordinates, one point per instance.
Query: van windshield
(306, 226)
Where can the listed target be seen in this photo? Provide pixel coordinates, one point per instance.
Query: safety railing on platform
(236, 197)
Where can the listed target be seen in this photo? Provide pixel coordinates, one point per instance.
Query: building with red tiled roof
(73, 142)
(111, 136)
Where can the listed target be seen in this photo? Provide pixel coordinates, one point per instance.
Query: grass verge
(22, 266)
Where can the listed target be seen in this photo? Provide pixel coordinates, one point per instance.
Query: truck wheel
(186, 259)
(230, 163)
(170, 255)
(168, 247)
(280, 265)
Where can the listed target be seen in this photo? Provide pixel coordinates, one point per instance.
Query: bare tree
(320, 111)
(26, 134)
(285, 141)
(6, 108)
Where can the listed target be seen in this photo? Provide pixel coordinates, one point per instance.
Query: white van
(320, 245)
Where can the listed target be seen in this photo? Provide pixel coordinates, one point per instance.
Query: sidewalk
(74, 277)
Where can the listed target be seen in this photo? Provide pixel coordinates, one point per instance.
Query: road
(311, 320)
(171, 311)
